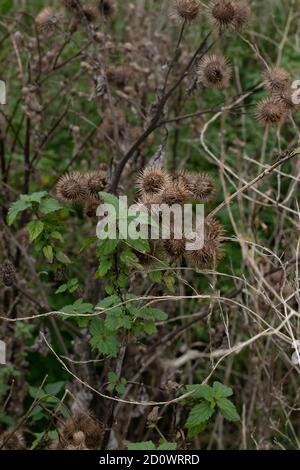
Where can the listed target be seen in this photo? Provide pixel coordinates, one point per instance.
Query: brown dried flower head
(222, 13)
(242, 16)
(208, 256)
(176, 192)
(71, 187)
(7, 273)
(152, 180)
(214, 71)
(271, 112)
(107, 8)
(48, 21)
(12, 440)
(95, 182)
(277, 79)
(90, 208)
(201, 186)
(185, 10)
(285, 97)
(69, 4)
(90, 12)
(175, 248)
(81, 431)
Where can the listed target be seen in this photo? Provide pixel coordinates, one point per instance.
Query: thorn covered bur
(7, 273)
(185, 10)
(214, 71)
(222, 13)
(95, 182)
(211, 252)
(175, 248)
(270, 112)
(277, 79)
(81, 431)
(12, 440)
(242, 16)
(71, 187)
(48, 21)
(200, 185)
(152, 180)
(107, 8)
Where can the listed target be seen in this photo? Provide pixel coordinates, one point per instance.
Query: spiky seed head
(90, 208)
(90, 12)
(95, 182)
(214, 71)
(222, 13)
(85, 423)
(185, 10)
(69, 4)
(208, 256)
(12, 440)
(174, 193)
(270, 112)
(285, 97)
(7, 273)
(277, 79)
(107, 8)
(201, 186)
(175, 248)
(242, 16)
(152, 180)
(72, 187)
(79, 438)
(48, 21)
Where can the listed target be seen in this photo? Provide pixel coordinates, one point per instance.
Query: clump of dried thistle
(200, 185)
(81, 431)
(230, 14)
(208, 256)
(185, 10)
(277, 79)
(214, 71)
(12, 440)
(152, 180)
(107, 8)
(71, 187)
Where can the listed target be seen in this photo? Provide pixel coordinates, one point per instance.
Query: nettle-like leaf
(228, 409)
(102, 339)
(24, 202)
(221, 391)
(201, 391)
(50, 205)
(147, 445)
(199, 414)
(35, 228)
(167, 446)
(70, 286)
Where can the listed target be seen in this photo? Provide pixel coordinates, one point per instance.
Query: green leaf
(105, 266)
(201, 391)
(199, 414)
(70, 286)
(50, 205)
(148, 445)
(150, 328)
(110, 199)
(55, 388)
(107, 247)
(48, 253)
(102, 339)
(34, 197)
(228, 409)
(139, 245)
(64, 259)
(156, 276)
(15, 209)
(168, 446)
(221, 391)
(35, 228)
(193, 432)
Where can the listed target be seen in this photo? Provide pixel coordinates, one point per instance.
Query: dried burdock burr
(214, 71)
(49, 20)
(7, 273)
(80, 431)
(175, 248)
(270, 112)
(286, 98)
(12, 440)
(71, 187)
(222, 13)
(176, 192)
(90, 208)
(95, 182)
(201, 185)
(277, 79)
(90, 13)
(185, 10)
(208, 256)
(69, 4)
(242, 16)
(152, 180)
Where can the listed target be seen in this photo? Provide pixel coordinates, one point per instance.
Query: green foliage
(149, 445)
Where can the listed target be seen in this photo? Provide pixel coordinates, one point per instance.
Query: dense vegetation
(121, 344)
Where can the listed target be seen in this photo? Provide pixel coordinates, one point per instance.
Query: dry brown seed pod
(12, 440)
(152, 180)
(270, 112)
(71, 187)
(107, 8)
(49, 20)
(185, 10)
(222, 13)
(242, 16)
(84, 427)
(95, 182)
(208, 256)
(176, 192)
(175, 248)
(201, 185)
(214, 71)
(277, 79)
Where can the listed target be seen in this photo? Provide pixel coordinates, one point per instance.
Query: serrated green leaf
(168, 446)
(63, 258)
(201, 391)
(50, 205)
(199, 414)
(35, 228)
(228, 409)
(221, 391)
(48, 253)
(55, 388)
(107, 247)
(139, 245)
(105, 266)
(15, 209)
(149, 327)
(193, 432)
